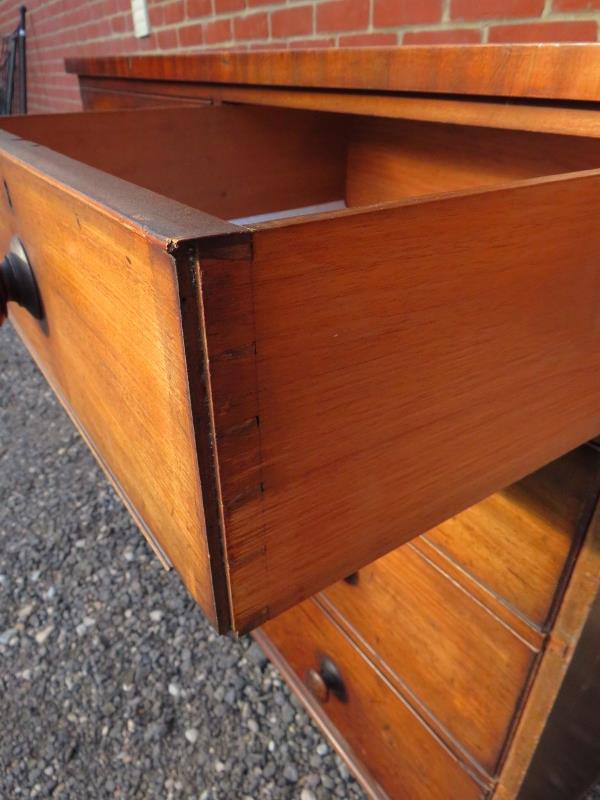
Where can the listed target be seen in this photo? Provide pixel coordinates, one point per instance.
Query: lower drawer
(518, 542)
(464, 666)
(405, 758)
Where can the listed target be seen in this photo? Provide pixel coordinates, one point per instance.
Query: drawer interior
(252, 164)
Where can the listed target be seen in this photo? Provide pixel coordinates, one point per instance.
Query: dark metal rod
(22, 60)
(11, 73)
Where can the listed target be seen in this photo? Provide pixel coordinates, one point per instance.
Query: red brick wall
(59, 28)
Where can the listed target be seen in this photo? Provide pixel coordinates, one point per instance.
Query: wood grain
(422, 625)
(394, 159)
(237, 161)
(373, 714)
(570, 742)
(109, 93)
(360, 376)
(229, 331)
(318, 713)
(580, 601)
(542, 518)
(412, 360)
(565, 71)
(227, 161)
(107, 259)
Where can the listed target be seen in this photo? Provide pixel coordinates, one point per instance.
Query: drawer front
(109, 272)
(518, 542)
(464, 665)
(400, 752)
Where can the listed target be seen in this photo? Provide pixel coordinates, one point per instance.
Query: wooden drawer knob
(17, 282)
(325, 681)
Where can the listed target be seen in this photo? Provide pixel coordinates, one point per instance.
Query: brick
(174, 12)
(121, 23)
(252, 26)
(122, 46)
(156, 15)
(198, 8)
(69, 20)
(342, 15)
(294, 21)
(252, 3)
(576, 5)
(545, 32)
(191, 35)
(167, 39)
(217, 31)
(368, 40)
(452, 36)
(147, 42)
(268, 46)
(304, 44)
(224, 6)
(392, 13)
(495, 9)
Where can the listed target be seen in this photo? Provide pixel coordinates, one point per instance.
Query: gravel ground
(112, 685)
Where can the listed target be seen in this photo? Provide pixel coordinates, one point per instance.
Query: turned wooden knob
(325, 681)
(17, 282)
(317, 685)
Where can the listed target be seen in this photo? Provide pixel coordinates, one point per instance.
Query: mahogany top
(536, 71)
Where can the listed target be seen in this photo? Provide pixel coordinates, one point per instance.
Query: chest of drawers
(301, 328)
(305, 307)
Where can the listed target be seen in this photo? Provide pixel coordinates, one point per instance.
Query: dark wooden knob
(17, 282)
(326, 681)
(317, 685)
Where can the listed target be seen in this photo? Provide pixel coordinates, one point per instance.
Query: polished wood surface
(305, 329)
(109, 93)
(421, 624)
(398, 614)
(227, 161)
(417, 617)
(365, 373)
(401, 351)
(394, 159)
(551, 713)
(318, 712)
(541, 71)
(519, 543)
(566, 760)
(405, 758)
(354, 378)
(106, 256)
(235, 161)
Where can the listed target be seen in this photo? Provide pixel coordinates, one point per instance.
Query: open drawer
(295, 339)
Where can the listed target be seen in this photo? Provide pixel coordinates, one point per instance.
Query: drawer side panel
(412, 360)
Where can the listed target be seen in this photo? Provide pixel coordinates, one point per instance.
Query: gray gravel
(112, 685)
